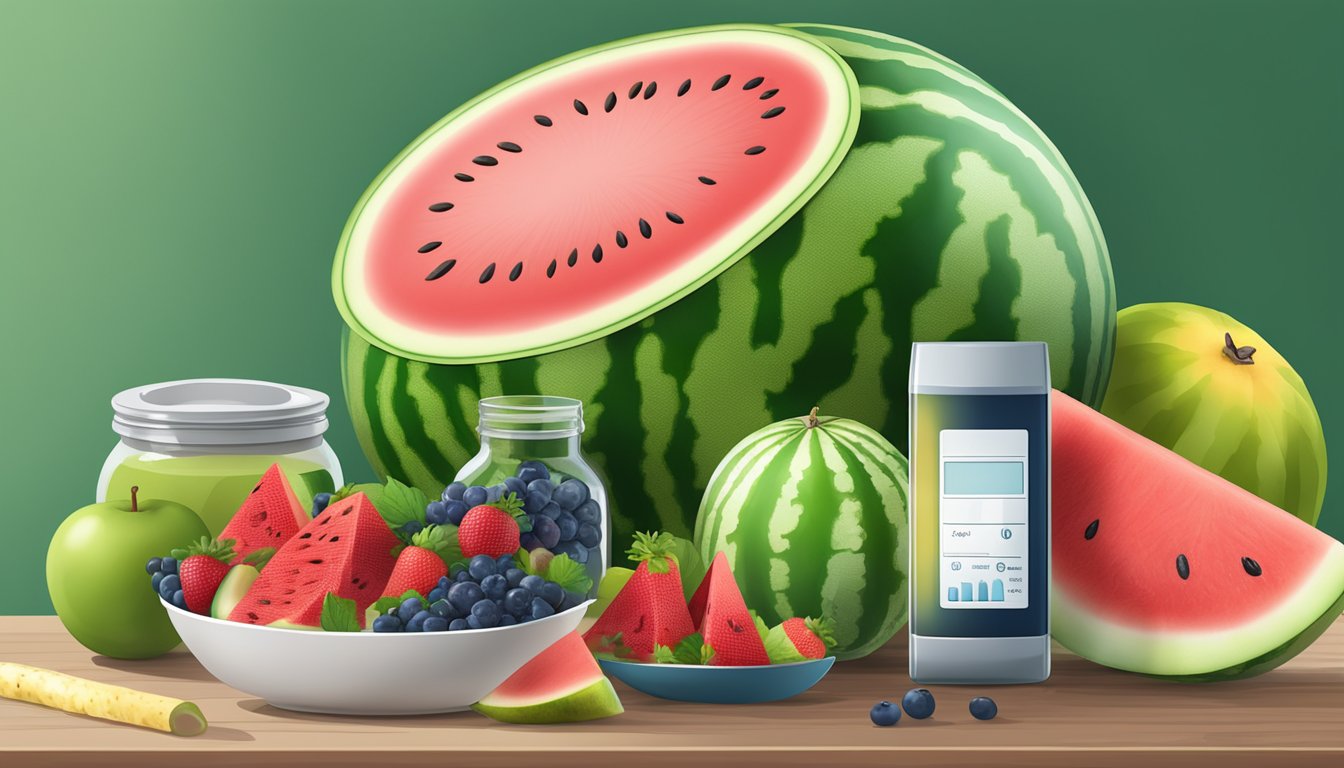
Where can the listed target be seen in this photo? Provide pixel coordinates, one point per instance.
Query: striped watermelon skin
(1254, 425)
(813, 522)
(952, 217)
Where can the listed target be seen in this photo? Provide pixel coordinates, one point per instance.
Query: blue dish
(720, 685)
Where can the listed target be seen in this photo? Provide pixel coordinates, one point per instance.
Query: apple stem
(1238, 355)
(135, 503)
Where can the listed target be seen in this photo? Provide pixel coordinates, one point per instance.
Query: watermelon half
(1164, 568)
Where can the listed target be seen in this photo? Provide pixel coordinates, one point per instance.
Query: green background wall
(174, 177)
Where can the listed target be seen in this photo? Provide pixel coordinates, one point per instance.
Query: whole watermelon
(811, 514)
(951, 217)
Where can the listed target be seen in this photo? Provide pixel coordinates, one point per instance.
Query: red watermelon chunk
(649, 610)
(1164, 568)
(269, 517)
(346, 550)
(721, 617)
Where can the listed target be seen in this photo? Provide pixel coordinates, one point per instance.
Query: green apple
(97, 580)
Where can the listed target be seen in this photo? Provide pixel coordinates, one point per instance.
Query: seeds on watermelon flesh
(649, 610)
(1118, 600)
(269, 517)
(720, 615)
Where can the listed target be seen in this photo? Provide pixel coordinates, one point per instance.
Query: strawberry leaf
(570, 575)
(691, 650)
(399, 504)
(654, 549)
(338, 614)
(663, 655)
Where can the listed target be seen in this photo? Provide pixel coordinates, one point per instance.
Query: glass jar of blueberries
(530, 447)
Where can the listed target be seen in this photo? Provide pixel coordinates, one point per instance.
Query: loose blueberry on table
(884, 713)
(918, 703)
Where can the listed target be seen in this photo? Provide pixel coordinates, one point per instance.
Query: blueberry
(588, 535)
(984, 708)
(436, 513)
(409, 607)
(387, 623)
(482, 566)
(152, 567)
(570, 494)
(541, 609)
(588, 512)
(170, 584)
(454, 491)
(529, 541)
(494, 493)
(417, 622)
(885, 713)
(462, 577)
(515, 486)
(473, 496)
(436, 624)
(534, 502)
(507, 620)
(547, 532)
(465, 595)
(456, 568)
(473, 623)
(532, 470)
(412, 527)
(918, 703)
(517, 601)
(494, 586)
(454, 511)
(320, 502)
(486, 613)
(515, 576)
(168, 565)
(179, 599)
(552, 593)
(532, 583)
(441, 607)
(569, 527)
(157, 579)
(444, 584)
(576, 551)
(571, 600)
(436, 594)
(541, 486)
(503, 563)
(457, 625)
(551, 510)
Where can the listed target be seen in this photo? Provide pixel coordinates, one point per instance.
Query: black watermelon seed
(756, 150)
(610, 103)
(550, 271)
(772, 112)
(621, 239)
(1182, 566)
(1091, 529)
(686, 86)
(441, 270)
(722, 81)
(635, 89)
(431, 245)
(1251, 566)
(580, 107)
(441, 207)
(597, 254)
(509, 146)
(516, 271)
(645, 229)
(485, 160)
(674, 218)
(752, 83)
(543, 120)
(463, 177)
(488, 273)
(769, 94)
(652, 89)
(574, 257)
(707, 181)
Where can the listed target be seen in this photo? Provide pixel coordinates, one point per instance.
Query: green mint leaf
(689, 563)
(338, 614)
(400, 504)
(384, 604)
(663, 655)
(408, 594)
(692, 650)
(570, 575)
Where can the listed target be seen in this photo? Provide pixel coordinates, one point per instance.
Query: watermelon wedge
(649, 610)
(563, 684)
(721, 617)
(1164, 568)
(269, 517)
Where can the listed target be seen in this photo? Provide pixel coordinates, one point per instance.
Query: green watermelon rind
(1242, 651)
(594, 701)
(767, 223)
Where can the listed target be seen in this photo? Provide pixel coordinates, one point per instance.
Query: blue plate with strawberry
(720, 685)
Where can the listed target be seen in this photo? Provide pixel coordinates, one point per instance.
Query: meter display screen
(982, 516)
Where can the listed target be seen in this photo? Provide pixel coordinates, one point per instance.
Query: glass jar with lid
(203, 443)
(530, 446)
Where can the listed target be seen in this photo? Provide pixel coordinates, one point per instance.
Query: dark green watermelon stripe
(1001, 285)
(881, 580)
(415, 439)
(739, 464)
(459, 421)
(829, 360)
(893, 44)
(382, 454)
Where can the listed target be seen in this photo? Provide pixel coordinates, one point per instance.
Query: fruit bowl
(720, 685)
(366, 673)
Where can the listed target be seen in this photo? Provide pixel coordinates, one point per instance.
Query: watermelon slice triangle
(563, 684)
(721, 617)
(649, 610)
(269, 517)
(1164, 568)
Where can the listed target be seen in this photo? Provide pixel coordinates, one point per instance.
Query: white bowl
(367, 673)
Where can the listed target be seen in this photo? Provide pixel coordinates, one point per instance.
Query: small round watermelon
(811, 514)
(1198, 382)
(701, 231)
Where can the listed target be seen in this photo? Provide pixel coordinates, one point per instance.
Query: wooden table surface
(1084, 715)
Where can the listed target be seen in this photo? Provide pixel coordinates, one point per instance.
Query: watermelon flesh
(722, 619)
(270, 516)
(346, 550)
(562, 684)
(649, 610)
(1164, 568)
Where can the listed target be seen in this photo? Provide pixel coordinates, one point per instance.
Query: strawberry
(420, 564)
(798, 639)
(493, 529)
(201, 567)
(650, 610)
